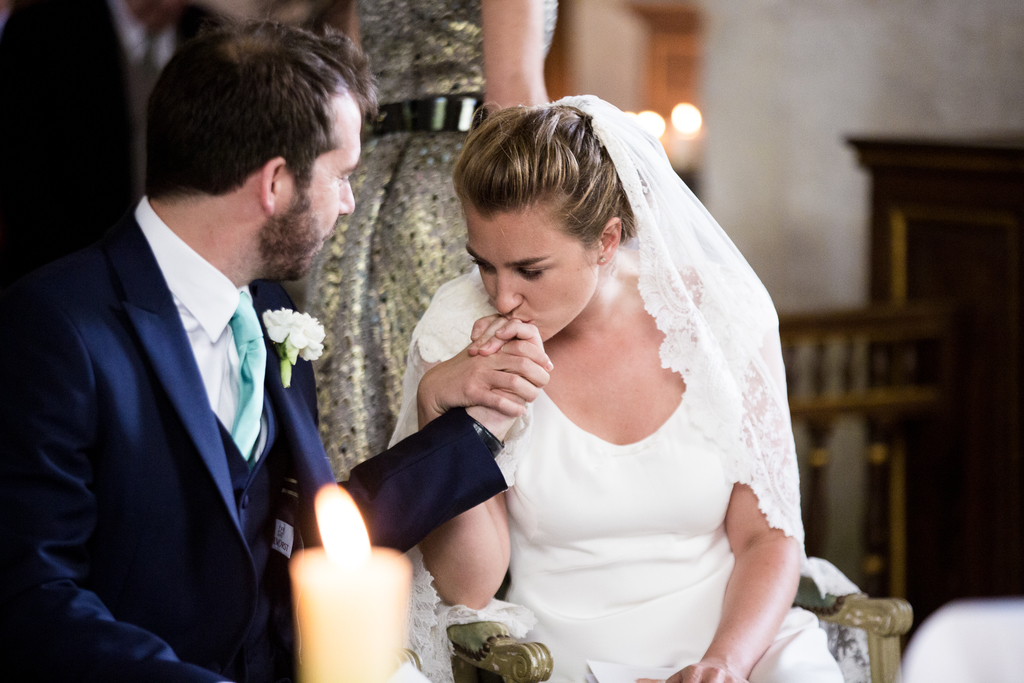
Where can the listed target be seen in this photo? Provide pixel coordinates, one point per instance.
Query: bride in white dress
(653, 514)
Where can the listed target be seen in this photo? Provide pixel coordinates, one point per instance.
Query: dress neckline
(653, 435)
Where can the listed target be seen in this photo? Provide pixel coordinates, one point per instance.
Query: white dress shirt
(206, 300)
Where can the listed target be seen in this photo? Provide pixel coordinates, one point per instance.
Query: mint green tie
(252, 364)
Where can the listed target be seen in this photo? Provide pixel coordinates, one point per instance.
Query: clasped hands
(502, 369)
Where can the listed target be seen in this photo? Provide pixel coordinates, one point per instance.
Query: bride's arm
(503, 369)
(468, 555)
(760, 593)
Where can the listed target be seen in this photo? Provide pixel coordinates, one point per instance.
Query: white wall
(607, 47)
(786, 81)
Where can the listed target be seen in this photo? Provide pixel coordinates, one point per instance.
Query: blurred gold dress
(375, 277)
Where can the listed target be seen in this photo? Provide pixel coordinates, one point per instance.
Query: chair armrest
(487, 645)
(883, 617)
(884, 620)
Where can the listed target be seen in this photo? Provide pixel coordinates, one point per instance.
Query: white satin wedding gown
(621, 552)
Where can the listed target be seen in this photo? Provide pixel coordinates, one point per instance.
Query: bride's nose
(506, 298)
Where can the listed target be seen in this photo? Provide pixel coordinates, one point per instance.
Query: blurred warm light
(686, 119)
(652, 122)
(341, 527)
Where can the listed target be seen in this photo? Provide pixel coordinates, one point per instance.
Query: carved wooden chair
(864, 636)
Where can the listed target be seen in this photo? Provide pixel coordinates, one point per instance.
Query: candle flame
(341, 527)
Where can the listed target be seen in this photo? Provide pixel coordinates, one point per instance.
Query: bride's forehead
(535, 221)
(518, 238)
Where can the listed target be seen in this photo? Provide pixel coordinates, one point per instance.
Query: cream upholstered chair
(864, 635)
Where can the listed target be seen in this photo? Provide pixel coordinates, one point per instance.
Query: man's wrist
(493, 443)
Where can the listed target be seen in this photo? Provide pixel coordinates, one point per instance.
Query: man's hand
(494, 384)
(485, 341)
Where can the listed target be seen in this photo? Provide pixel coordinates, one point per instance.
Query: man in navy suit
(155, 472)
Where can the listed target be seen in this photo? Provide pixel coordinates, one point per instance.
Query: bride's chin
(547, 335)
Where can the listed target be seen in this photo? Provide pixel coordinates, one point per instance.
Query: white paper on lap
(604, 672)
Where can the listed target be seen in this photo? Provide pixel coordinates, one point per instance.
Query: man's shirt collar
(197, 285)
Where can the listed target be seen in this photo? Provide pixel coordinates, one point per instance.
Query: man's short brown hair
(239, 95)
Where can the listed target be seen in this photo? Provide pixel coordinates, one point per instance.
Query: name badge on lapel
(284, 535)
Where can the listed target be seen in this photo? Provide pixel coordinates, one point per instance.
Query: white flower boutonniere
(294, 334)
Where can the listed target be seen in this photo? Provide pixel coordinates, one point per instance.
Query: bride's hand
(494, 387)
(704, 671)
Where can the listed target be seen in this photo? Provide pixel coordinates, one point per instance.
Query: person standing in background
(435, 62)
(75, 76)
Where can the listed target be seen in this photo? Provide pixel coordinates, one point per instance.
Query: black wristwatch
(490, 440)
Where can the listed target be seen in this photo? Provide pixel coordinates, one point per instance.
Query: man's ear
(276, 186)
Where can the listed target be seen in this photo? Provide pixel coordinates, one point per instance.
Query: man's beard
(289, 242)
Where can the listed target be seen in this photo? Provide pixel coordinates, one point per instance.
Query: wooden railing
(890, 365)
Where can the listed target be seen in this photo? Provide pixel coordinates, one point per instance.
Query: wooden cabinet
(946, 224)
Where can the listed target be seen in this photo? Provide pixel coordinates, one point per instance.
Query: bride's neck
(615, 292)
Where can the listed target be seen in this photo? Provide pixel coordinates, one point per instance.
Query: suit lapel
(151, 310)
(295, 417)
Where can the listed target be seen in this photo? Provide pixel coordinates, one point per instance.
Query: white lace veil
(721, 335)
(720, 326)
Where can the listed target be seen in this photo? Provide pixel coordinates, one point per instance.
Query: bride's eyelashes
(526, 273)
(483, 265)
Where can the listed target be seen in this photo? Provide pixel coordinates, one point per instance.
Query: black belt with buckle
(452, 113)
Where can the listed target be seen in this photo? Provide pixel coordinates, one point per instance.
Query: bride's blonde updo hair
(523, 156)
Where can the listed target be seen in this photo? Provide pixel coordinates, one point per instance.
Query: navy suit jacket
(121, 555)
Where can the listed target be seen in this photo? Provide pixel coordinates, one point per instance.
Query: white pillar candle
(350, 601)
